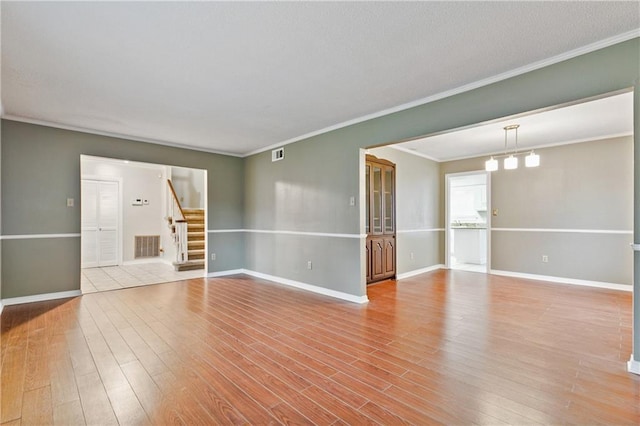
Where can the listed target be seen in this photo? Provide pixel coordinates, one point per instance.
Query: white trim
(296, 284)
(562, 280)
(633, 366)
(412, 231)
(465, 88)
(37, 236)
(41, 297)
(412, 152)
(419, 271)
(1, 307)
(115, 135)
(282, 232)
(635, 247)
(577, 231)
(225, 273)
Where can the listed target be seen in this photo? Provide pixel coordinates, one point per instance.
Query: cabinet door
(376, 199)
(377, 259)
(389, 207)
(389, 257)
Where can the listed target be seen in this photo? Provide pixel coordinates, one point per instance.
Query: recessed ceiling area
(602, 118)
(238, 77)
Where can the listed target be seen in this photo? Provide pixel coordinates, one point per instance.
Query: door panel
(377, 258)
(99, 223)
(389, 257)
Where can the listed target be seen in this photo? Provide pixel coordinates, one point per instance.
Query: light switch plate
(70, 202)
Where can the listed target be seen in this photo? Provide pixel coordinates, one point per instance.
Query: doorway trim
(447, 223)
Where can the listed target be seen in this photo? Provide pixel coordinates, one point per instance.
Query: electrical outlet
(352, 201)
(309, 265)
(213, 256)
(545, 258)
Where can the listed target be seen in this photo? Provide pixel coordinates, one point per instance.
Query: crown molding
(464, 88)
(442, 95)
(55, 125)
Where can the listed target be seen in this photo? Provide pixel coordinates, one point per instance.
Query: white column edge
(633, 366)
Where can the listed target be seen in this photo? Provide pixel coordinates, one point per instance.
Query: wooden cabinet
(380, 219)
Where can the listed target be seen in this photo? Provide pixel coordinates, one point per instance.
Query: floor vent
(147, 246)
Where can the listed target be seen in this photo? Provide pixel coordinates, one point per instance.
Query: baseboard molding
(419, 271)
(225, 273)
(41, 297)
(1, 307)
(633, 366)
(297, 284)
(562, 280)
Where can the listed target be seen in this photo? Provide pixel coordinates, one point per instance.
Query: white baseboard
(562, 280)
(297, 284)
(633, 366)
(225, 273)
(1, 307)
(41, 297)
(419, 271)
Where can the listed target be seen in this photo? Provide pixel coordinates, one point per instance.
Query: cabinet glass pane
(376, 201)
(367, 183)
(388, 201)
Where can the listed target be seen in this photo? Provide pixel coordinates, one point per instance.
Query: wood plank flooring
(448, 347)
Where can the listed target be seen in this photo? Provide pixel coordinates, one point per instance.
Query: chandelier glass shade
(511, 158)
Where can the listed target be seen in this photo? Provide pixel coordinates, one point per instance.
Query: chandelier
(511, 158)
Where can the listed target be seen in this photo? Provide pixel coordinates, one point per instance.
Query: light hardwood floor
(448, 347)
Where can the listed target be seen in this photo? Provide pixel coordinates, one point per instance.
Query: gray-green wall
(299, 200)
(578, 189)
(41, 169)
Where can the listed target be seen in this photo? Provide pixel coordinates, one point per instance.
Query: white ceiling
(597, 119)
(237, 77)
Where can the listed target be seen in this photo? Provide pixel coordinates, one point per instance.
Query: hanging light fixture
(511, 158)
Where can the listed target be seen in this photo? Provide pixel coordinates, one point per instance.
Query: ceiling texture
(238, 77)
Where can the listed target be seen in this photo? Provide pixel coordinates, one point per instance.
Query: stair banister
(179, 226)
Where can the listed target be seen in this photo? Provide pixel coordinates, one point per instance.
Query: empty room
(320, 213)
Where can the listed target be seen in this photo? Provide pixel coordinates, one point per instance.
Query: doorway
(128, 230)
(467, 222)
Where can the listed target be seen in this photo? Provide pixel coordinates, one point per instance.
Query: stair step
(194, 219)
(196, 253)
(195, 226)
(194, 212)
(195, 236)
(191, 265)
(195, 244)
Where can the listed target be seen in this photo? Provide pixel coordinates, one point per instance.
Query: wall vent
(147, 246)
(277, 154)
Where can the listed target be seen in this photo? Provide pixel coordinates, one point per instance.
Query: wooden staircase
(195, 240)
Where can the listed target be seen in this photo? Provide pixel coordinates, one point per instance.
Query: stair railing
(178, 225)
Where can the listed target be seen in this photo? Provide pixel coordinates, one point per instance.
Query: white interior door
(100, 204)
